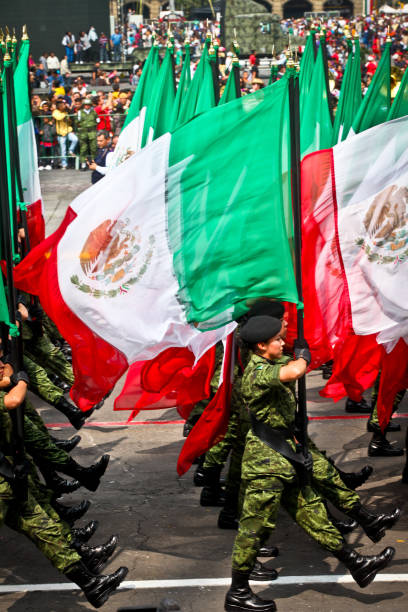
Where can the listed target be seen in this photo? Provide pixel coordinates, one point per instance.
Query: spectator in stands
(64, 66)
(86, 47)
(68, 42)
(47, 134)
(78, 52)
(53, 62)
(103, 110)
(79, 87)
(93, 41)
(103, 48)
(116, 43)
(64, 132)
(43, 61)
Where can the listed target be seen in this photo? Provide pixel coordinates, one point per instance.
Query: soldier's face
(272, 348)
(284, 328)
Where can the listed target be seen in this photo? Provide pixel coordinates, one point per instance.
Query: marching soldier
(270, 467)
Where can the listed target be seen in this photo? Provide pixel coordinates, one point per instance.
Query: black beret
(260, 329)
(266, 307)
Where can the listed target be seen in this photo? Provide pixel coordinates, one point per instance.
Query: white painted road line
(203, 582)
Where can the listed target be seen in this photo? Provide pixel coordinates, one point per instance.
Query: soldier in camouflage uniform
(270, 478)
(86, 121)
(80, 563)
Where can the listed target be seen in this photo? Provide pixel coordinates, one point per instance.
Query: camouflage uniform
(86, 130)
(39, 443)
(268, 478)
(41, 350)
(29, 517)
(51, 329)
(40, 383)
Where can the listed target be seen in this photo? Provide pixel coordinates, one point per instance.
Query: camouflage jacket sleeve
(270, 400)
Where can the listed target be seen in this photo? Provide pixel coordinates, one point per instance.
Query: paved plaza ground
(167, 539)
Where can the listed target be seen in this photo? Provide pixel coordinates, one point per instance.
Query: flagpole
(14, 149)
(17, 415)
(9, 85)
(296, 207)
(326, 71)
(236, 66)
(212, 58)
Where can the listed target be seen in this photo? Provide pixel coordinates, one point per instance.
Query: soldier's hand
(5, 382)
(20, 376)
(301, 350)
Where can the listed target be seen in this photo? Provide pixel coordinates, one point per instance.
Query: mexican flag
(27, 149)
(350, 94)
(168, 245)
(376, 103)
(355, 245)
(316, 128)
(160, 108)
(130, 138)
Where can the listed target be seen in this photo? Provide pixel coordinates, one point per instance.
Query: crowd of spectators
(59, 138)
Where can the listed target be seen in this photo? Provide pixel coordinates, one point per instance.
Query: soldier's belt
(277, 440)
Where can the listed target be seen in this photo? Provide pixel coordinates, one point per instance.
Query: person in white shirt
(52, 62)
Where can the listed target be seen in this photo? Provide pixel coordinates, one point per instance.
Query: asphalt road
(164, 533)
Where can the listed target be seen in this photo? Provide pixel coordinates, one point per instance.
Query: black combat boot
(268, 551)
(213, 494)
(240, 597)
(61, 384)
(83, 534)
(70, 514)
(89, 477)
(353, 480)
(327, 370)
(380, 447)
(97, 589)
(67, 445)
(364, 568)
(344, 526)
(59, 485)
(375, 525)
(227, 518)
(392, 426)
(360, 407)
(75, 416)
(262, 573)
(96, 557)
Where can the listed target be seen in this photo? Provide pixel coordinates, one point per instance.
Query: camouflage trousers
(87, 144)
(40, 384)
(31, 519)
(42, 351)
(327, 483)
(373, 420)
(51, 329)
(38, 442)
(263, 497)
(218, 454)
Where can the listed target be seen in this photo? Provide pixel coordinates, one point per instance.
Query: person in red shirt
(103, 110)
(253, 59)
(371, 65)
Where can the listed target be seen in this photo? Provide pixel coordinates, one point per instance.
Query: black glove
(18, 376)
(36, 312)
(301, 350)
(308, 463)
